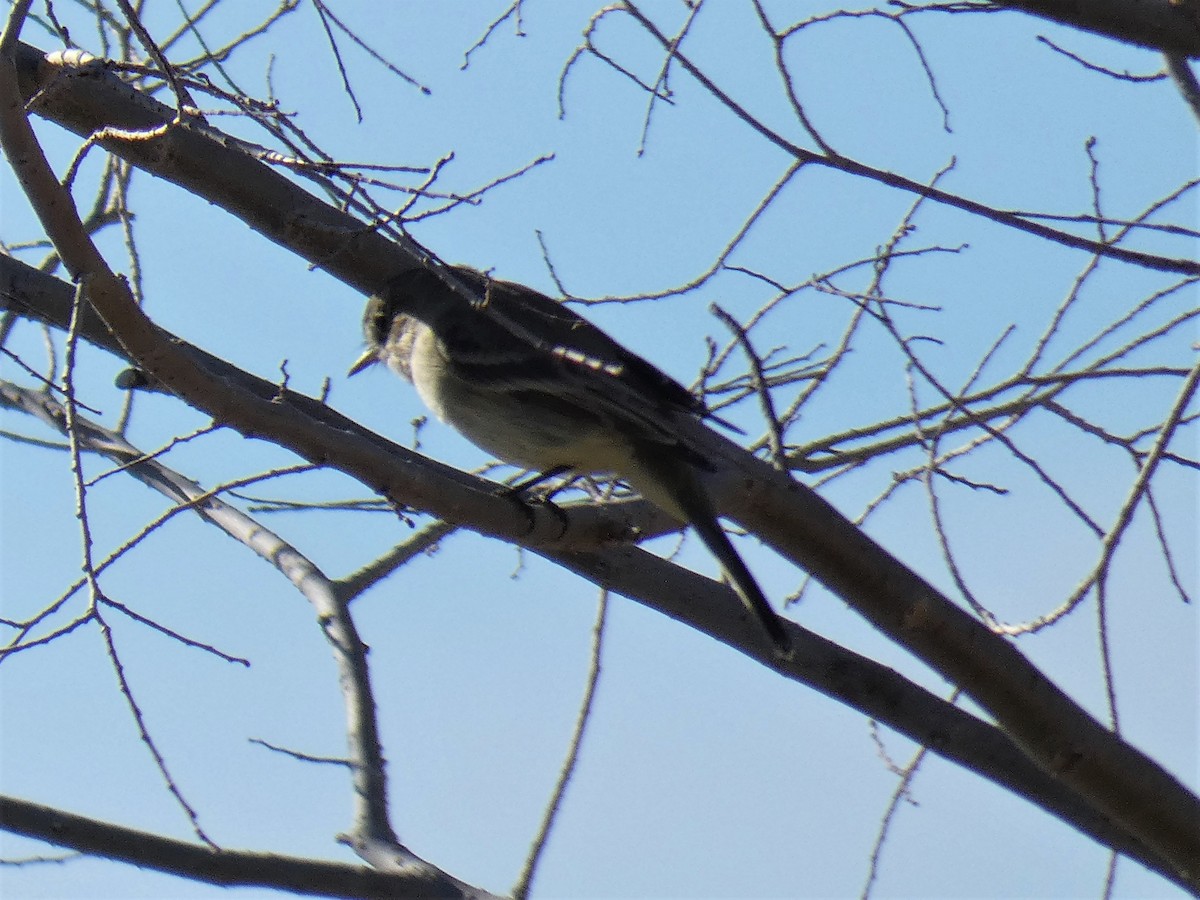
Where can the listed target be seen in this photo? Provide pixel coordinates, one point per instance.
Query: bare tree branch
(229, 868)
(1171, 27)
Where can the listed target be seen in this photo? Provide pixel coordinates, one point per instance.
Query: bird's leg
(523, 487)
(519, 492)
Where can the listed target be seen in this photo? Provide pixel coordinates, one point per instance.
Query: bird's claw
(519, 494)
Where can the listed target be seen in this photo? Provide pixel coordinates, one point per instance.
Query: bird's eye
(375, 322)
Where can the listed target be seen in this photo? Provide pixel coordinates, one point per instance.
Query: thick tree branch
(228, 868)
(1165, 25)
(1185, 80)
(1048, 725)
(88, 100)
(81, 95)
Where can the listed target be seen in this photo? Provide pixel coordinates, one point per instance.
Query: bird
(527, 379)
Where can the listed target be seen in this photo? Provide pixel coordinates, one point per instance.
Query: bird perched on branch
(527, 379)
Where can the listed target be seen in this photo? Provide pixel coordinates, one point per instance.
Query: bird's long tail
(680, 483)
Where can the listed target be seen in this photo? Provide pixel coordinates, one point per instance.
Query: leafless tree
(141, 108)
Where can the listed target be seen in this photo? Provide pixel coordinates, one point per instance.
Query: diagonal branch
(228, 868)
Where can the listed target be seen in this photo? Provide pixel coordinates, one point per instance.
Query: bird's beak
(368, 359)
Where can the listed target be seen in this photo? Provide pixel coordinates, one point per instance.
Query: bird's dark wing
(543, 341)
